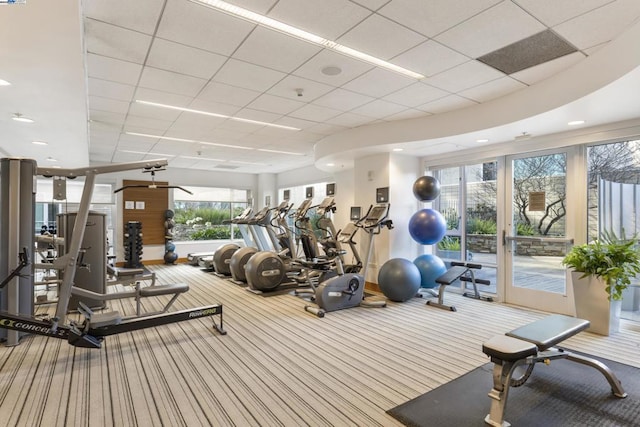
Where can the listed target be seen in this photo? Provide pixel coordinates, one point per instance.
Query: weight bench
(462, 271)
(128, 276)
(528, 345)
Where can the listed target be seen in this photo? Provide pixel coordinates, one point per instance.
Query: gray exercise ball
(399, 279)
(426, 188)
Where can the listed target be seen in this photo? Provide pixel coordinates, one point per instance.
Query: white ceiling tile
(173, 147)
(430, 58)
(133, 143)
(139, 15)
(371, 4)
(154, 78)
(107, 104)
(288, 88)
(220, 92)
(179, 162)
(378, 82)
(416, 94)
(407, 114)
(381, 37)
(351, 68)
(248, 76)
(435, 16)
(493, 89)
(113, 70)
(342, 100)
(604, 24)
(464, 76)
(262, 116)
(350, 120)
(275, 104)
(151, 112)
(115, 42)
(379, 109)
(162, 97)
(119, 157)
(214, 107)
(540, 72)
(106, 117)
(156, 124)
(492, 29)
(296, 122)
(113, 90)
(275, 50)
(183, 59)
(195, 123)
(451, 102)
(328, 18)
(315, 113)
(202, 27)
(553, 12)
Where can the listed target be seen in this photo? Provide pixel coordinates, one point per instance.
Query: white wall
(301, 176)
(403, 171)
(266, 188)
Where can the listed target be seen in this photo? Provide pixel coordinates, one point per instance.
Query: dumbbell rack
(133, 245)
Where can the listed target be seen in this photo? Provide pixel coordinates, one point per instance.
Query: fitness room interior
(400, 207)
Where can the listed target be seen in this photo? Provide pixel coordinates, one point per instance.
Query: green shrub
(449, 243)
(523, 229)
(481, 226)
(213, 233)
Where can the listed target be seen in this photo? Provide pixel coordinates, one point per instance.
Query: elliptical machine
(346, 290)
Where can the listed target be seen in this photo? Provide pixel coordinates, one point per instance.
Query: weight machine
(16, 315)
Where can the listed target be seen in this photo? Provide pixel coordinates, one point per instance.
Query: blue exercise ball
(169, 246)
(427, 226)
(431, 267)
(170, 257)
(426, 188)
(399, 279)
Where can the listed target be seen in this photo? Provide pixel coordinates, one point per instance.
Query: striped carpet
(277, 366)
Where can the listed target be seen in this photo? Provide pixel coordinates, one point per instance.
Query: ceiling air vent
(228, 167)
(534, 50)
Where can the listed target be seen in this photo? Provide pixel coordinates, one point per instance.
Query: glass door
(537, 237)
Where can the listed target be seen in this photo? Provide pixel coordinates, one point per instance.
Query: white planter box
(592, 304)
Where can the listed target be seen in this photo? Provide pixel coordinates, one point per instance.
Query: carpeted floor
(561, 394)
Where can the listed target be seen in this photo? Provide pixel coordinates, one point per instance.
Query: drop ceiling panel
(315, 113)
(193, 121)
(113, 70)
(379, 109)
(407, 114)
(492, 29)
(180, 162)
(162, 97)
(288, 86)
(381, 37)
(275, 50)
(540, 72)
(139, 15)
(464, 76)
(106, 104)
(604, 24)
(138, 144)
(115, 42)
(158, 125)
(199, 26)
(296, 122)
(351, 68)
(348, 120)
(416, 94)
(493, 89)
(371, 4)
(275, 104)
(168, 81)
(430, 58)
(328, 18)
(113, 90)
(553, 12)
(343, 100)
(248, 76)
(378, 83)
(182, 59)
(262, 116)
(215, 92)
(435, 16)
(259, 6)
(448, 103)
(325, 128)
(107, 117)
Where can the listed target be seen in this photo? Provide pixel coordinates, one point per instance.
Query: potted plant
(601, 270)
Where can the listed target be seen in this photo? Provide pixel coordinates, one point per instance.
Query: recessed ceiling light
(201, 158)
(169, 138)
(40, 143)
(20, 118)
(398, 149)
(576, 122)
(51, 159)
(4, 83)
(267, 22)
(331, 164)
(206, 113)
(147, 153)
(280, 152)
(482, 140)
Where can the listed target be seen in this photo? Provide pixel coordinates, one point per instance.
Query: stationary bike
(346, 290)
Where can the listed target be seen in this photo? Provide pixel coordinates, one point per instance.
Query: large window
(206, 214)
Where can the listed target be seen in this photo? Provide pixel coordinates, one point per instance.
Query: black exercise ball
(170, 257)
(426, 188)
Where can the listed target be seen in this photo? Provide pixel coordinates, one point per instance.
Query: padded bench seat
(152, 291)
(123, 271)
(549, 331)
(508, 349)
